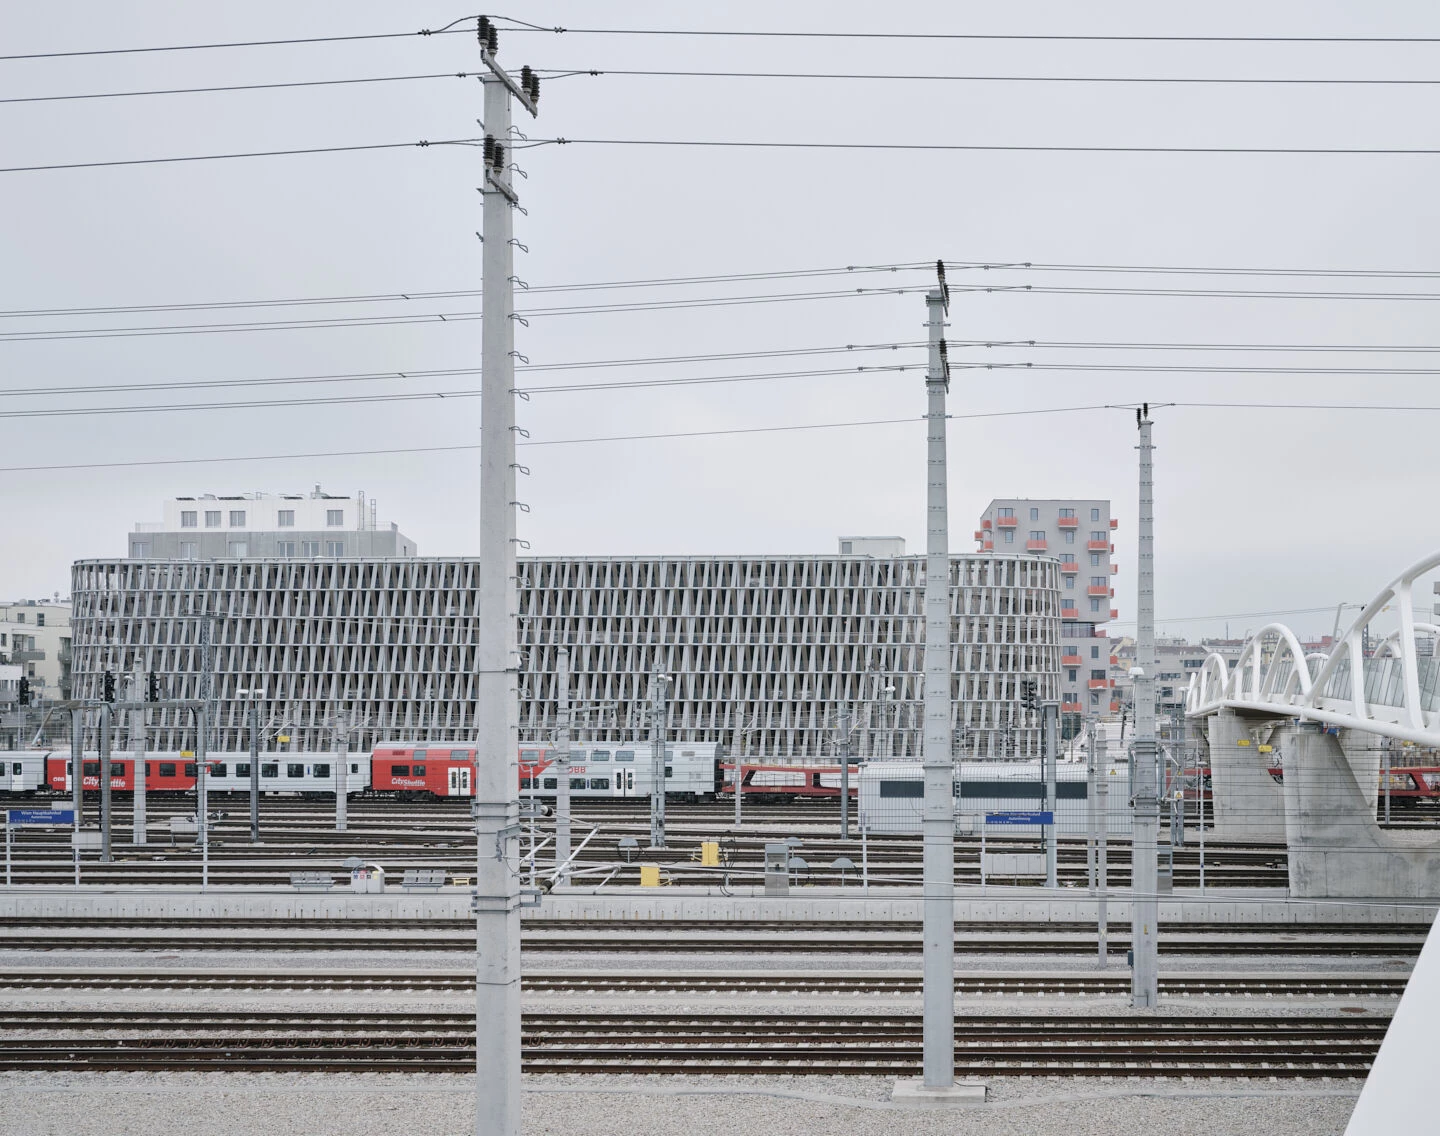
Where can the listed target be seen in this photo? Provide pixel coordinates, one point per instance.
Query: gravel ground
(174, 1104)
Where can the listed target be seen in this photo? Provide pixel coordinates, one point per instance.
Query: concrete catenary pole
(938, 871)
(254, 766)
(342, 776)
(1144, 902)
(106, 718)
(1102, 806)
(657, 760)
(845, 773)
(137, 751)
(1051, 716)
(562, 765)
(497, 780)
(77, 765)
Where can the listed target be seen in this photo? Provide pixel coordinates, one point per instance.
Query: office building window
(1008, 514)
(188, 518)
(846, 547)
(334, 518)
(1095, 560)
(237, 518)
(1034, 513)
(212, 518)
(1097, 674)
(189, 550)
(1094, 603)
(1099, 535)
(285, 548)
(1067, 512)
(1009, 536)
(1067, 560)
(1037, 534)
(39, 619)
(19, 617)
(1071, 675)
(334, 548)
(1094, 514)
(285, 519)
(1069, 583)
(238, 548)
(138, 548)
(309, 548)
(1097, 581)
(1095, 651)
(1069, 535)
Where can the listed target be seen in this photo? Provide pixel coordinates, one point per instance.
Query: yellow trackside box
(649, 875)
(710, 853)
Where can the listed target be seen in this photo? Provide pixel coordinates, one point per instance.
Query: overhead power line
(958, 147)
(566, 73)
(873, 34)
(422, 144)
(240, 87)
(448, 29)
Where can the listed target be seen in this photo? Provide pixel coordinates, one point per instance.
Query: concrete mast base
(912, 1091)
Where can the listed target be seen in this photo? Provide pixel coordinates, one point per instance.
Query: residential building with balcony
(279, 526)
(1078, 534)
(35, 636)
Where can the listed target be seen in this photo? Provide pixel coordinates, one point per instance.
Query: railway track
(554, 1042)
(822, 983)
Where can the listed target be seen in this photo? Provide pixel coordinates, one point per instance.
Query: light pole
(253, 696)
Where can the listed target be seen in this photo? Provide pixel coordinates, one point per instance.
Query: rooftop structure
(281, 525)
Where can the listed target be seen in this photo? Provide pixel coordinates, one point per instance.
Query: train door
(459, 785)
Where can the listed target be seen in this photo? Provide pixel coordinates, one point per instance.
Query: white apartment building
(283, 526)
(35, 636)
(764, 652)
(1077, 532)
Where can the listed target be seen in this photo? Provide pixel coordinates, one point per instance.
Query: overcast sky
(1257, 511)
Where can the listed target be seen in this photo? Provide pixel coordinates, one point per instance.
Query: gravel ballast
(182, 1104)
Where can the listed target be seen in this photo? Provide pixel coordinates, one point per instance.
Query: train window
(530, 756)
(462, 755)
(189, 769)
(624, 755)
(354, 768)
(577, 782)
(220, 769)
(419, 755)
(600, 755)
(322, 770)
(599, 782)
(92, 769)
(147, 769)
(293, 769)
(550, 783)
(269, 769)
(669, 771)
(525, 783)
(15, 768)
(418, 771)
(902, 789)
(242, 769)
(399, 771)
(167, 769)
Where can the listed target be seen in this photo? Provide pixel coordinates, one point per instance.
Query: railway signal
(1029, 694)
(152, 687)
(107, 686)
(24, 695)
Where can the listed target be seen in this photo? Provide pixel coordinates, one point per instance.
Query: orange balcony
(1114, 707)
(1071, 708)
(1071, 661)
(1036, 546)
(1101, 633)
(1114, 613)
(1069, 567)
(1114, 660)
(1098, 590)
(1114, 568)
(1069, 522)
(1097, 545)
(984, 524)
(1098, 684)
(1006, 522)
(989, 546)
(979, 535)
(1114, 524)
(1069, 613)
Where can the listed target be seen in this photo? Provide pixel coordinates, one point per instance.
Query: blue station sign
(1020, 818)
(18, 817)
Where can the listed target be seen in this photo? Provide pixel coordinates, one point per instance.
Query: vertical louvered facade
(763, 651)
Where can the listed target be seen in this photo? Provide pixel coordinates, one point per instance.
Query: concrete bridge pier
(1247, 803)
(1365, 752)
(1336, 847)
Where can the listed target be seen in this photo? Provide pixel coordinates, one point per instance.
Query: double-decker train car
(416, 770)
(281, 774)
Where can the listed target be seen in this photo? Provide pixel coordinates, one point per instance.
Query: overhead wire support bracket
(520, 93)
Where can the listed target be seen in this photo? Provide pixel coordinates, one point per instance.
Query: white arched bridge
(1395, 692)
